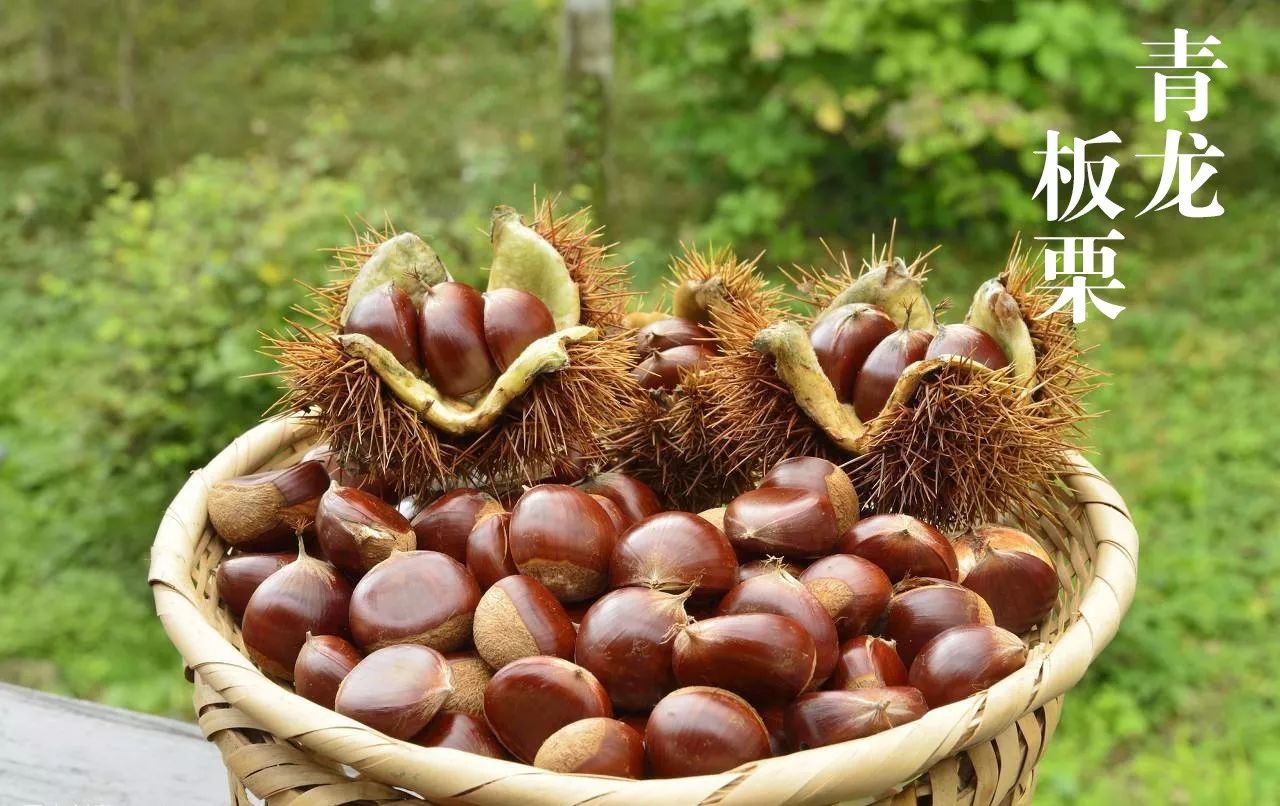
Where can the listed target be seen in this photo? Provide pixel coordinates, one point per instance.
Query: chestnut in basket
(460, 731)
(1010, 570)
(414, 597)
(843, 338)
(964, 660)
(595, 746)
(241, 574)
(514, 319)
(854, 591)
(819, 476)
(672, 551)
(921, 608)
(764, 657)
(396, 690)
(673, 332)
(969, 342)
(767, 565)
(620, 521)
(625, 641)
(785, 521)
(452, 336)
(879, 373)
(445, 524)
(488, 548)
(388, 316)
(867, 661)
(322, 664)
(902, 546)
(357, 530)
(264, 510)
(561, 537)
(518, 618)
(826, 717)
(701, 730)
(633, 497)
(532, 698)
(470, 676)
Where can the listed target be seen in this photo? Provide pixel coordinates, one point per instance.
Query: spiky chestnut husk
(370, 428)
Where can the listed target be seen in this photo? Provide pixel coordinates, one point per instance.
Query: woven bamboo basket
(284, 749)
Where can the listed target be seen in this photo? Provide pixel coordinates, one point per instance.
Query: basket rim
(862, 769)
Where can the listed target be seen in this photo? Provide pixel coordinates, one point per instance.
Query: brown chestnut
(879, 374)
(396, 690)
(672, 551)
(969, 342)
(843, 338)
(561, 537)
(452, 335)
(1010, 570)
(964, 660)
(488, 550)
(265, 510)
(388, 316)
(414, 597)
(674, 332)
(634, 498)
(532, 698)
(306, 596)
(701, 730)
(781, 593)
(764, 657)
(240, 575)
(514, 319)
(460, 731)
(470, 676)
(827, 717)
(665, 369)
(625, 641)
(785, 521)
(852, 589)
(445, 524)
(868, 662)
(921, 608)
(595, 746)
(620, 521)
(518, 618)
(902, 546)
(357, 530)
(818, 476)
(767, 565)
(775, 721)
(345, 476)
(322, 664)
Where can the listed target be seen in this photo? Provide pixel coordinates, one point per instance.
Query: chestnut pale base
(982, 750)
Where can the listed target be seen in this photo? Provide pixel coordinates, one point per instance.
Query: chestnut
(852, 589)
(1010, 570)
(396, 690)
(781, 593)
(357, 530)
(488, 550)
(460, 731)
(701, 730)
(768, 565)
(775, 721)
(388, 316)
(620, 521)
(764, 657)
(634, 498)
(665, 369)
(867, 661)
(964, 660)
(514, 319)
(470, 676)
(879, 373)
(969, 342)
(674, 332)
(240, 575)
(561, 537)
(902, 546)
(818, 476)
(843, 338)
(921, 608)
(265, 510)
(517, 618)
(827, 717)
(625, 641)
(445, 524)
(322, 663)
(672, 551)
(414, 597)
(532, 698)
(306, 596)
(595, 746)
(347, 477)
(786, 521)
(454, 350)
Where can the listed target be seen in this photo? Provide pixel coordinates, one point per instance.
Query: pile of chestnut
(668, 349)
(583, 629)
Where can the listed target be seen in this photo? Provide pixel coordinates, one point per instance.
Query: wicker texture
(982, 750)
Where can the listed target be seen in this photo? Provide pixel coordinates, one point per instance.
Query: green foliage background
(167, 173)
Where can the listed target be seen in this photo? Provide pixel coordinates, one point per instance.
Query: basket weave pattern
(983, 750)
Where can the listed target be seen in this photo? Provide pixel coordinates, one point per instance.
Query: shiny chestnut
(1010, 570)
(265, 510)
(902, 546)
(460, 731)
(625, 641)
(781, 593)
(396, 690)
(764, 657)
(414, 597)
(561, 537)
(921, 608)
(241, 574)
(879, 373)
(827, 717)
(702, 730)
(514, 319)
(488, 550)
(388, 316)
(785, 521)
(820, 476)
(633, 497)
(964, 660)
(852, 589)
(674, 332)
(969, 342)
(843, 338)
(357, 530)
(322, 664)
(665, 369)
(454, 349)
(445, 524)
(532, 698)
(867, 661)
(518, 618)
(673, 552)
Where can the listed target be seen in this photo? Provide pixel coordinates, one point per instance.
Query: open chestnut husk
(532, 698)
(514, 319)
(414, 597)
(964, 660)
(902, 546)
(867, 661)
(1008, 569)
(625, 641)
(460, 731)
(633, 497)
(673, 552)
(388, 316)
(595, 746)
(396, 690)
(322, 664)
(561, 537)
(445, 524)
(827, 717)
(470, 676)
(454, 349)
(853, 590)
(673, 332)
(488, 550)
(702, 730)
(357, 530)
(764, 657)
(519, 618)
(879, 373)
(969, 342)
(922, 608)
(843, 338)
(265, 510)
(820, 476)
(241, 574)
(785, 521)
